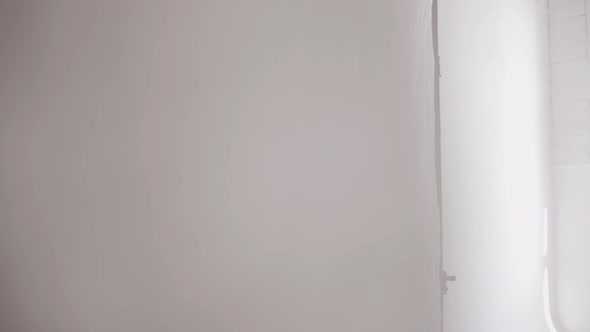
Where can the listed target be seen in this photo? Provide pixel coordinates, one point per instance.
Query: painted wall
(495, 150)
(217, 166)
(571, 269)
(570, 73)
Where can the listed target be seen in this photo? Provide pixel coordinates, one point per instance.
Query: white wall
(571, 290)
(570, 70)
(495, 149)
(217, 166)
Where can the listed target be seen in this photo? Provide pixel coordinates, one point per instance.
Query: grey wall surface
(217, 166)
(570, 74)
